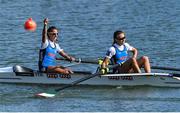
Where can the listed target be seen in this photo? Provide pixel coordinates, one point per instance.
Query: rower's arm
(65, 55)
(135, 52)
(44, 32)
(105, 62)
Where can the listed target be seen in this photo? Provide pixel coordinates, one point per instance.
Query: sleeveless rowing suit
(47, 57)
(121, 56)
(50, 56)
(118, 54)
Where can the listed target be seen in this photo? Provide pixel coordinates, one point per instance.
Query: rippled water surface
(86, 29)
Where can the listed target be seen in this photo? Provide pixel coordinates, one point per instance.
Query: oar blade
(45, 95)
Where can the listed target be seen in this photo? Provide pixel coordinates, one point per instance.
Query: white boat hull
(7, 75)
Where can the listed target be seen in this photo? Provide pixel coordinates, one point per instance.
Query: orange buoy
(30, 25)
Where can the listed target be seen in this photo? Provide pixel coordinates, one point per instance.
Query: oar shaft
(70, 65)
(77, 82)
(165, 68)
(83, 79)
(80, 60)
(96, 62)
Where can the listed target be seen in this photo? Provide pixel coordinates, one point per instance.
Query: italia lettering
(52, 55)
(123, 58)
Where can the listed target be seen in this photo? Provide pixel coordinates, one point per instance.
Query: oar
(71, 64)
(81, 60)
(96, 62)
(165, 68)
(53, 93)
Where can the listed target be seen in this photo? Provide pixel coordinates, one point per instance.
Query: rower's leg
(144, 61)
(59, 69)
(135, 66)
(129, 65)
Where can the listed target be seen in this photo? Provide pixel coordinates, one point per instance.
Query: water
(86, 29)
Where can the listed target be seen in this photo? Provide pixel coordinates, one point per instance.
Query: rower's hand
(67, 71)
(104, 70)
(71, 58)
(45, 21)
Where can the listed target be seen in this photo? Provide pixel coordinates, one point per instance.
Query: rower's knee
(145, 59)
(133, 60)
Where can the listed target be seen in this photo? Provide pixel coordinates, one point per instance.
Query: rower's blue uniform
(50, 56)
(47, 57)
(121, 56)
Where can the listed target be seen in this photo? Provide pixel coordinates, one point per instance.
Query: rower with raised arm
(118, 52)
(49, 49)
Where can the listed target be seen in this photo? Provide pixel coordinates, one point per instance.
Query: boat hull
(36, 77)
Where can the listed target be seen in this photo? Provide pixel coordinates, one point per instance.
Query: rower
(119, 53)
(49, 49)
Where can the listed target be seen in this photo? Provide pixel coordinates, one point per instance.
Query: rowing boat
(20, 74)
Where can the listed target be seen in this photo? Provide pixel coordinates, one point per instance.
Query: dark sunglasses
(121, 38)
(55, 34)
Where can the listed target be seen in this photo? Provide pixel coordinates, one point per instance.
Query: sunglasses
(55, 34)
(121, 38)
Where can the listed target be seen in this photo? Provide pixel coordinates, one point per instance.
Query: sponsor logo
(120, 78)
(55, 76)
